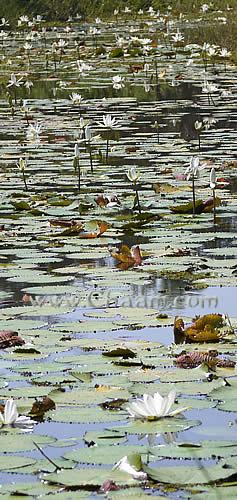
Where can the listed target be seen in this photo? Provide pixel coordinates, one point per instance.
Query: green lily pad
(8, 464)
(168, 424)
(10, 442)
(104, 454)
(85, 415)
(188, 475)
(93, 478)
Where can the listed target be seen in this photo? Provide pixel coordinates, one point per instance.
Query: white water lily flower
(209, 121)
(109, 122)
(76, 98)
(27, 46)
(33, 132)
(124, 465)
(76, 151)
(133, 174)
(4, 22)
(154, 407)
(198, 125)
(13, 82)
(209, 88)
(11, 417)
(224, 53)
(194, 168)
(178, 37)
(118, 82)
(22, 164)
(213, 178)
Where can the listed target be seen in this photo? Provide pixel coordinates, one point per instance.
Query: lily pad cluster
(103, 254)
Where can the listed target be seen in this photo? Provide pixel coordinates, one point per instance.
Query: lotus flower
(13, 82)
(194, 168)
(109, 122)
(213, 178)
(33, 132)
(133, 174)
(154, 407)
(117, 82)
(11, 417)
(125, 466)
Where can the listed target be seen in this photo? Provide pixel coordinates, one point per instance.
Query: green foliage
(58, 10)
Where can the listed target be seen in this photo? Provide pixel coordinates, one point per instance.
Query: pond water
(98, 325)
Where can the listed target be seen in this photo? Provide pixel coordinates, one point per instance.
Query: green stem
(79, 175)
(214, 206)
(194, 198)
(199, 142)
(107, 149)
(24, 180)
(138, 200)
(91, 159)
(45, 456)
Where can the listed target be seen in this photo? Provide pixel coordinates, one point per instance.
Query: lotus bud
(213, 178)
(133, 174)
(76, 151)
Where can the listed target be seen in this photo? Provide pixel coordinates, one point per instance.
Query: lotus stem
(214, 206)
(79, 176)
(137, 199)
(24, 180)
(47, 458)
(91, 159)
(194, 198)
(107, 149)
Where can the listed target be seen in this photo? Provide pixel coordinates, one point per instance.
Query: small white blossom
(11, 417)
(118, 82)
(133, 174)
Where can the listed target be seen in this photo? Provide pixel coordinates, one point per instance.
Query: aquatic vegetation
(10, 339)
(128, 257)
(194, 359)
(208, 328)
(154, 407)
(101, 174)
(10, 416)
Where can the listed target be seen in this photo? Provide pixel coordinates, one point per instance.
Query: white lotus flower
(76, 151)
(11, 417)
(124, 465)
(204, 7)
(88, 133)
(213, 178)
(194, 168)
(28, 84)
(154, 407)
(109, 122)
(178, 37)
(76, 98)
(13, 82)
(22, 164)
(198, 125)
(83, 67)
(4, 22)
(211, 51)
(133, 174)
(209, 88)
(209, 121)
(27, 46)
(224, 53)
(33, 132)
(118, 82)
